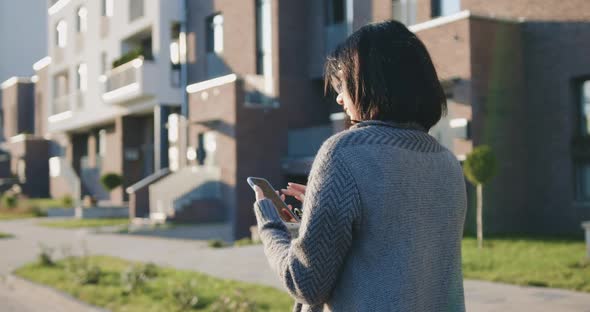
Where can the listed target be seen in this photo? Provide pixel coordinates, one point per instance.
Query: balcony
(61, 104)
(73, 101)
(132, 81)
(218, 99)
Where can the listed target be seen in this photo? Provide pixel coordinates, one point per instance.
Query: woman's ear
(340, 99)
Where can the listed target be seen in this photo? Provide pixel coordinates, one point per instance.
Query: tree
(111, 181)
(480, 168)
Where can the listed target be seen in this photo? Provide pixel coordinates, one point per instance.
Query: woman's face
(344, 98)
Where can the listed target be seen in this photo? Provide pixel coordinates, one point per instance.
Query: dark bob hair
(389, 75)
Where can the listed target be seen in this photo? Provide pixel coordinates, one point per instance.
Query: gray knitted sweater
(381, 227)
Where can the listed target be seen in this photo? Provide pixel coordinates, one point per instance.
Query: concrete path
(241, 263)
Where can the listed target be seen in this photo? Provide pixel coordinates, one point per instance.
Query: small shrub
(128, 57)
(89, 201)
(480, 165)
(245, 242)
(185, 295)
(111, 181)
(216, 243)
(135, 277)
(45, 257)
(67, 201)
(82, 271)
(234, 303)
(9, 201)
(38, 212)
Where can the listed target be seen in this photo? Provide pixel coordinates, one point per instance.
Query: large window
(107, 7)
(215, 65)
(82, 77)
(335, 12)
(61, 34)
(404, 11)
(263, 36)
(82, 20)
(582, 176)
(215, 34)
(136, 8)
(585, 107)
(444, 7)
(103, 63)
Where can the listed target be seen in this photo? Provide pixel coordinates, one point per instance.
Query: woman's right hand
(296, 190)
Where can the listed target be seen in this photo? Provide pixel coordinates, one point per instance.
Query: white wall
(23, 36)
(158, 15)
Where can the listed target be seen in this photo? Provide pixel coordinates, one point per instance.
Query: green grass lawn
(84, 223)
(5, 235)
(5, 215)
(548, 262)
(29, 208)
(45, 203)
(159, 293)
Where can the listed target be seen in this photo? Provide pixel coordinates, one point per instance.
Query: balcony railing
(132, 80)
(61, 104)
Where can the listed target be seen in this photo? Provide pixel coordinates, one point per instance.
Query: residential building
(111, 84)
(514, 72)
(24, 159)
(256, 104)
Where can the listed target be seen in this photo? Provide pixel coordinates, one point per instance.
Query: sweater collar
(387, 123)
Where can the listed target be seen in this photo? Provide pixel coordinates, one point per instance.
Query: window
(107, 8)
(82, 77)
(585, 107)
(215, 34)
(263, 36)
(201, 152)
(60, 85)
(61, 34)
(335, 12)
(582, 185)
(135, 9)
(404, 11)
(103, 63)
(444, 7)
(102, 143)
(82, 20)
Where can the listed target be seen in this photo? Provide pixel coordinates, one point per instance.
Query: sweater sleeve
(310, 265)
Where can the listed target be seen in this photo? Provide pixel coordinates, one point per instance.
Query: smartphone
(269, 192)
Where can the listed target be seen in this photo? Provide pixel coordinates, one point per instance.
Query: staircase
(184, 189)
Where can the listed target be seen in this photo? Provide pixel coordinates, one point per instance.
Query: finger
(290, 192)
(283, 197)
(290, 207)
(297, 186)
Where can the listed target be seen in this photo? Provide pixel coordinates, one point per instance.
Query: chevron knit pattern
(381, 226)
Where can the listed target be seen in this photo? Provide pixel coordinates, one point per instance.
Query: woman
(385, 203)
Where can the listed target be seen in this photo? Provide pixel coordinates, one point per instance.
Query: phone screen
(286, 214)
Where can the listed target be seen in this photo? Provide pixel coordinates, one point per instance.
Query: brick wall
(556, 56)
(549, 10)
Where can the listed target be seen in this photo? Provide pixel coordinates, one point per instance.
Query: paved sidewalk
(241, 263)
(19, 295)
